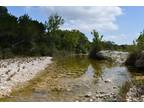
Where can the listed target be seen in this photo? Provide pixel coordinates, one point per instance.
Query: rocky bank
(135, 94)
(117, 56)
(17, 71)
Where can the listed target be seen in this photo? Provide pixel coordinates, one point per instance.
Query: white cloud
(87, 18)
(103, 19)
(120, 38)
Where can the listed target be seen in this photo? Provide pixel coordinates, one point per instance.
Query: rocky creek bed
(81, 79)
(75, 79)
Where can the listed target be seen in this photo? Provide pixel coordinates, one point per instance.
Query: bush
(94, 54)
(136, 60)
(131, 59)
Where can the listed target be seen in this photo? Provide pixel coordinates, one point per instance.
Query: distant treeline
(23, 36)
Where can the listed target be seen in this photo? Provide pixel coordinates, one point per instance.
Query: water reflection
(117, 74)
(89, 72)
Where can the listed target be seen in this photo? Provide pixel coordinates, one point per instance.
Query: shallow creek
(75, 79)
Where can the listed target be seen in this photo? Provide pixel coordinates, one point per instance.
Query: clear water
(74, 79)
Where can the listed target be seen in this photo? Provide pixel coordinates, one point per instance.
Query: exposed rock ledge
(19, 70)
(117, 56)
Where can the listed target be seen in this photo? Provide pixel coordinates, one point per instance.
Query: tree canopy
(24, 36)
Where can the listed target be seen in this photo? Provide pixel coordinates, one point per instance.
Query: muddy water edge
(77, 79)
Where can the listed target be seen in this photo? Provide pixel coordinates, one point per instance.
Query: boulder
(118, 57)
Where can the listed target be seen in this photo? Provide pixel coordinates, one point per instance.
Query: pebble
(89, 94)
(68, 89)
(91, 100)
(107, 81)
(114, 87)
(112, 93)
(101, 92)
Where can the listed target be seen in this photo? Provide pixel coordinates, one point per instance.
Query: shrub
(132, 59)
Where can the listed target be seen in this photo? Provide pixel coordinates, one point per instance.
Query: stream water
(76, 79)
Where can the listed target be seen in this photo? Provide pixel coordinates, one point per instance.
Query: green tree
(96, 44)
(97, 40)
(140, 41)
(3, 10)
(54, 22)
(108, 45)
(8, 31)
(52, 26)
(30, 36)
(24, 36)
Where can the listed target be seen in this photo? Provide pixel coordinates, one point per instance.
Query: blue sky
(119, 24)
